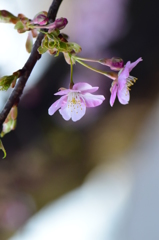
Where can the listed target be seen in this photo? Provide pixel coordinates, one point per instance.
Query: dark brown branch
(28, 67)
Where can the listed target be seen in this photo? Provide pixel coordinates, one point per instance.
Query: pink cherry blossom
(73, 102)
(121, 85)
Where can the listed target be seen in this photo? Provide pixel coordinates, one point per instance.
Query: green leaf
(54, 35)
(42, 50)
(74, 47)
(63, 46)
(6, 81)
(3, 149)
(19, 26)
(51, 44)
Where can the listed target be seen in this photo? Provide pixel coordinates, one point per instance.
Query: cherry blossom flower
(73, 102)
(121, 85)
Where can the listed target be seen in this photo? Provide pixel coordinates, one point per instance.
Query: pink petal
(65, 113)
(133, 64)
(123, 96)
(63, 92)
(93, 100)
(84, 87)
(113, 94)
(76, 112)
(56, 105)
(79, 112)
(123, 75)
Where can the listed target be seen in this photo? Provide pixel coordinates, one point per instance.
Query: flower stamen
(130, 81)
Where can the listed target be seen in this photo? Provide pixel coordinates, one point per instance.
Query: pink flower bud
(114, 63)
(40, 19)
(60, 23)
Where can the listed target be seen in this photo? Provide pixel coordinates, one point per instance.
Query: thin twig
(28, 67)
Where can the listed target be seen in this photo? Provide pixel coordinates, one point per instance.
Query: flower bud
(10, 122)
(114, 63)
(29, 42)
(40, 19)
(59, 23)
(7, 17)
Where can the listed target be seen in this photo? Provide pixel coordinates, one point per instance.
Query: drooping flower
(73, 102)
(121, 85)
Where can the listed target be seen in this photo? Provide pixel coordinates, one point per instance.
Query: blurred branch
(28, 67)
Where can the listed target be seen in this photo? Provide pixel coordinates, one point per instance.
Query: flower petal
(93, 100)
(123, 75)
(56, 105)
(74, 111)
(63, 92)
(123, 95)
(84, 87)
(64, 111)
(130, 65)
(113, 94)
(78, 112)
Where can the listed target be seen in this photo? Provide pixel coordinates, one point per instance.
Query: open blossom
(73, 102)
(121, 85)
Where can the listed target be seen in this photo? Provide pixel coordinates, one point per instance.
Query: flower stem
(87, 59)
(71, 75)
(111, 75)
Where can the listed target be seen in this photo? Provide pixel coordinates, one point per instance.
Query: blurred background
(96, 179)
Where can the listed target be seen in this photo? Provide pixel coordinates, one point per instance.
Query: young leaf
(42, 50)
(3, 149)
(7, 81)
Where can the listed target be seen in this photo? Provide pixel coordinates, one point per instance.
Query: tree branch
(28, 67)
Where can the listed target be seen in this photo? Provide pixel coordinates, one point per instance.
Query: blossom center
(74, 103)
(73, 100)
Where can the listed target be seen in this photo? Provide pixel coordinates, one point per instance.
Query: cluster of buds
(39, 22)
